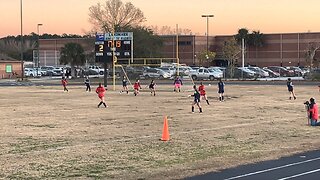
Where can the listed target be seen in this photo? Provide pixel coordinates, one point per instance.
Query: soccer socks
(200, 109)
(100, 104)
(222, 98)
(105, 105)
(192, 109)
(207, 102)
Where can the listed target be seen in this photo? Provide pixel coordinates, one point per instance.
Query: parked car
(271, 73)
(282, 71)
(260, 72)
(31, 72)
(97, 69)
(47, 70)
(296, 70)
(245, 72)
(155, 73)
(172, 71)
(204, 73)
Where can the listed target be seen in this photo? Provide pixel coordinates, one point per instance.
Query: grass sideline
(49, 134)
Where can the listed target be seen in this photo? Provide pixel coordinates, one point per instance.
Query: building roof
(4, 57)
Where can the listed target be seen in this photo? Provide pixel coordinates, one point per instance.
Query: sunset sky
(71, 16)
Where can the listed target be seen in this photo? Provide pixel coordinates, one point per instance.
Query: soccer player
(290, 89)
(196, 100)
(221, 90)
(64, 83)
(124, 85)
(87, 83)
(203, 92)
(177, 84)
(101, 91)
(152, 88)
(136, 87)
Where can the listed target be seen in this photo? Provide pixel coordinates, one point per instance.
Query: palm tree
(243, 33)
(257, 40)
(73, 54)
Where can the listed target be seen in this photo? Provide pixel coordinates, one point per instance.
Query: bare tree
(230, 51)
(167, 30)
(114, 14)
(311, 52)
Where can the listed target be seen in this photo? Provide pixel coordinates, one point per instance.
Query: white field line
(272, 169)
(298, 175)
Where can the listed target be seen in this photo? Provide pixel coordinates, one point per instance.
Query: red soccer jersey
(201, 90)
(100, 91)
(64, 82)
(136, 85)
(314, 111)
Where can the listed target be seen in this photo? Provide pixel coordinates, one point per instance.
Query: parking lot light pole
(38, 58)
(207, 16)
(21, 39)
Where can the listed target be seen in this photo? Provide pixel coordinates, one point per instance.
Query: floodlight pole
(38, 58)
(207, 16)
(21, 42)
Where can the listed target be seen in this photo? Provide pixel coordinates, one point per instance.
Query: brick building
(287, 49)
(9, 67)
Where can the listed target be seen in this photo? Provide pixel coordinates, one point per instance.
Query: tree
(230, 52)
(311, 52)
(243, 33)
(207, 57)
(146, 44)
(73, 54)
(256, 39)
(114, 14)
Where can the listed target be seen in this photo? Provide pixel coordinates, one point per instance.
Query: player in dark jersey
(196, 100)
(203, 92)
(290, 89)
(152, 87)
(124, 85)
(87, 83)
(221, 90)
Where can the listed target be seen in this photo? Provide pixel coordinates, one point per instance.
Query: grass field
(48, 134)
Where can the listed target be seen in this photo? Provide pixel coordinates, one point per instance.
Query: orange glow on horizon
(71, 17)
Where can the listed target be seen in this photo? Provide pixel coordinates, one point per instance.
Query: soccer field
(46, 133)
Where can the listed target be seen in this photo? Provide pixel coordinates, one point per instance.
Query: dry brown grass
(49, 134)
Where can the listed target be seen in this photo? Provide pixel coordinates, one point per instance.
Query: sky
(71, 16)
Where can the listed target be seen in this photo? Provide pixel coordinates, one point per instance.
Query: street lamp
(38, 58)
(21, 39)
(207, 16)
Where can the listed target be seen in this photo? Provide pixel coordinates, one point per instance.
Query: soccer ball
(209, 84)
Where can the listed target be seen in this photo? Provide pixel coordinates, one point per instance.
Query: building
(49, 49)
(9, 67)
(285, 49)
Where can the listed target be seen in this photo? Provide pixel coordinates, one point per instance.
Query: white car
(97, 69)
(31, 72)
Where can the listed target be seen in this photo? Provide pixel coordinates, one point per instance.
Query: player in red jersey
(203, 92)
(101, 91)
(64, 83)
(136, 87)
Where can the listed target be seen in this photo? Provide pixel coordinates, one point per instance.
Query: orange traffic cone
(165, 130)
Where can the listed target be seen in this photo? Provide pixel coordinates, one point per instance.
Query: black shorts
(220, 91)
(290, 89)
(196, 100)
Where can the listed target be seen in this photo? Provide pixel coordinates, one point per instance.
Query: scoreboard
(121, 43)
